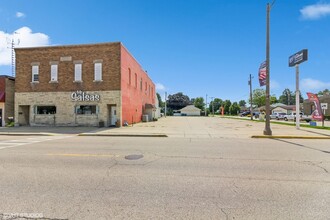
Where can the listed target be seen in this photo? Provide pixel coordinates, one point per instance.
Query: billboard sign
(298, 57)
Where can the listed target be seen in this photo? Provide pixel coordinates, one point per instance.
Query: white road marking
(15, 143)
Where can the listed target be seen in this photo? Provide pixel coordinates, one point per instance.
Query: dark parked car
(245, 113)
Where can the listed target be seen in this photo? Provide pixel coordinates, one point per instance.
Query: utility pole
(250, 84)
(165, 103)
(206, 106)
(267, 130)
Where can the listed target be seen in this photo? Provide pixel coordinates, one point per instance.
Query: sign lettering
(80, 96)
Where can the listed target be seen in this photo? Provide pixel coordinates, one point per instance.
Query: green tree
(161, 103)
(216, 103)
(226, 106)
(259, 97)
(288, 97)
(199, 103)
(273, 99)
(242, 103)
(324, 92)
(234, 109)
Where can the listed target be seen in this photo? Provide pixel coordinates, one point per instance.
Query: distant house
(190, 110)
(287, 109)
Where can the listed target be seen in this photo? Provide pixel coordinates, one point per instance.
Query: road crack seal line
(315, 165)
(222, 210)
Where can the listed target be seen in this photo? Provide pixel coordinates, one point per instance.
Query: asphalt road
(186, 177)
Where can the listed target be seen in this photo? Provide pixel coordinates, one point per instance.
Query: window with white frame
(98, 71)
(35, 73)
(53, 72)
(78, 72)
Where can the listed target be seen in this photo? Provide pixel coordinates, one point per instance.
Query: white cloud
(313, 84)
(25, 37)
(160, 87)
(20, 15)
(314, 12)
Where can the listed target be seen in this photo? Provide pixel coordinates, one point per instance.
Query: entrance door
(113, 115)
(24, 115)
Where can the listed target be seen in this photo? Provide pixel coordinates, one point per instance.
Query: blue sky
(197, 47)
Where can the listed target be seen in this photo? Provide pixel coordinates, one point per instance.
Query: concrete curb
(290, 137)
(122, 135)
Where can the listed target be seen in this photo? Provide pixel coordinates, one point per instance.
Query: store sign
(80, 96)
(298, 57)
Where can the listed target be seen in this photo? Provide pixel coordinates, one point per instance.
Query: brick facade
(7, 88)
(119, 99)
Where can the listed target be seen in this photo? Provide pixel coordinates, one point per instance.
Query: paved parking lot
(207, 168)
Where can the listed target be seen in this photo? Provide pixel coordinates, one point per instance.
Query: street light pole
(267, 130)
(250, 84)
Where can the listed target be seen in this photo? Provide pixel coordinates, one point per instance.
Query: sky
(197, 47)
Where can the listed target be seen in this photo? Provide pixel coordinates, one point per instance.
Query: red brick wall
(108, 52)
(133, 99)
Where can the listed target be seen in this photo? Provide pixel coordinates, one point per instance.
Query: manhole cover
(133, 157)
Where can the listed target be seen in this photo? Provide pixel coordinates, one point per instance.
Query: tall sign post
(295, 60)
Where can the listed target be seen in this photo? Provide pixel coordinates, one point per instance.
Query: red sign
(317, 113)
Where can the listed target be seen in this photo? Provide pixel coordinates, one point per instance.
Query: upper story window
(135, 80)
(53, 71)
(141, 84)
(35, 73)
(129, 76)
(78, 71)
(98, 70)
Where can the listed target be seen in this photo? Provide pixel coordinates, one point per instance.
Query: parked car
(292, 116)
(246, 113)
(277, 115)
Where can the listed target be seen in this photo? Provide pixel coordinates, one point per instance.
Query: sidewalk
(181, 127)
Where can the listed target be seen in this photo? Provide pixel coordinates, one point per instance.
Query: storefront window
(86, 109)
(45, 110)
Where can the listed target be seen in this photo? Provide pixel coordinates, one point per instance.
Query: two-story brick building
(81, 85)
(7, 89)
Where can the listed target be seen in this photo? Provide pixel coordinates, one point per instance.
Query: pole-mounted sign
(298, 57)
(295, 60)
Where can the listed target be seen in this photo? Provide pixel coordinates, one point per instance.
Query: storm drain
(133, 157)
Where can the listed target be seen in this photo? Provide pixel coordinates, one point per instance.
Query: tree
(234, 108)
(259, 97)
(324, 92)
(161, 103)
(178, 101)
(199, 103)
(289, 97)
(226, 106)
(273, 99)
(216, 104)
(242, 103)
